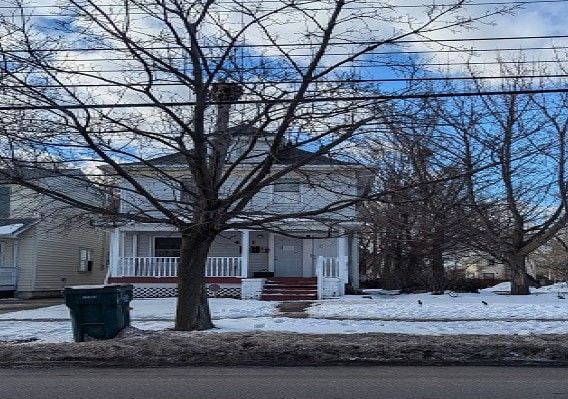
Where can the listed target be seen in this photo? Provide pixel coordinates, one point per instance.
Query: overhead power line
(286, 82)
(385, 42)
(370, 62)
(284, 101)
(364, 4)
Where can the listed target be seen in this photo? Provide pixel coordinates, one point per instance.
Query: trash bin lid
(95, 287)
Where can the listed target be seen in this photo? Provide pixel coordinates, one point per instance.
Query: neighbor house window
(286, 191)
(85, 260)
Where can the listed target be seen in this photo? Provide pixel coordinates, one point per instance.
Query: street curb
(183, 349)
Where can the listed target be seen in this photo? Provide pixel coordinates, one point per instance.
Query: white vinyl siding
(286, 191)
(304, 190)
(59, 256)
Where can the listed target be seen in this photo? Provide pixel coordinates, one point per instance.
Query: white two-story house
(319, 253)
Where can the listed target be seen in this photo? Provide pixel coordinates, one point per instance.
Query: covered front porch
(152, 257)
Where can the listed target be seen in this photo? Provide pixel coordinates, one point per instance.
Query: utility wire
(372, 63)
(363, 4)
(283, 101)
(385, 42)
(280, 82)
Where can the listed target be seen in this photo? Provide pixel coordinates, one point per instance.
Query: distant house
(477, 266)
(249, 263)
(43, 247)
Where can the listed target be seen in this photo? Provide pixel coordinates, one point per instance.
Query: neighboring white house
(478, 266)
(240, 261)
(41, 249)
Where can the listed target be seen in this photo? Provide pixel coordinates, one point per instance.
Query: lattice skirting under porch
(167, 292)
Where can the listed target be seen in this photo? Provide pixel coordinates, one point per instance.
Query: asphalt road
(289, 383)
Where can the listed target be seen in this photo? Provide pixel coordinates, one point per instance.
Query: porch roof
(11, 228)
(291, 224)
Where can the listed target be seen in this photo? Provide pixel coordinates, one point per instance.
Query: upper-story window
(187, 188)
(286, 191)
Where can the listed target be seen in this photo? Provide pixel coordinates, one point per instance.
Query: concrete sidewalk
(8, 305)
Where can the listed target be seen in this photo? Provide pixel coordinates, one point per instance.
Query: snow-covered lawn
(52, 324)
(541, 305)
(541, 313)
(161, 309)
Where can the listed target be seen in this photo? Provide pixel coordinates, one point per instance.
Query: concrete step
(291, 287)
(310, 280)
(287, 297)
(290, 292)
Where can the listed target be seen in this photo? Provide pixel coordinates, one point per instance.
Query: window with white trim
(85, 259)
(286, 191)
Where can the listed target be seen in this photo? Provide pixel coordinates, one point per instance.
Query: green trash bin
(98, 311)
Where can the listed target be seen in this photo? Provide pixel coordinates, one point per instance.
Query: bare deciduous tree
(422, 219)
(513, 150)
(116, 86)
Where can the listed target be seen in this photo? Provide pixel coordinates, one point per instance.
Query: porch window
(286, 191)
(85, 260)
(167, 247)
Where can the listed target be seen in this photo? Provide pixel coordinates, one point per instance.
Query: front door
(288, 256)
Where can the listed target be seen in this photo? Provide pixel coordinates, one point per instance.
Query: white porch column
(245, 250)
(343, 254)
(319, 275)
(354, 262)
(114, 252)
(271, 252)
(135, 246)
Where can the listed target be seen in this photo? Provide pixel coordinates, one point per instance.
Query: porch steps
(290, 289)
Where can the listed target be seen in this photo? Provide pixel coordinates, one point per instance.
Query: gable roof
(15, 175)
(287, 155)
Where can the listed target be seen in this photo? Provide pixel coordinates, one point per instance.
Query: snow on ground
(162, 308)
(52, 324)
(541, 305)
(379, 311)
(327, 326)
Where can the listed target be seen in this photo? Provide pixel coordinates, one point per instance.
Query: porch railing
(223, 267)
(330, 267)
(334, 268)
(7, 276)
(168, 267)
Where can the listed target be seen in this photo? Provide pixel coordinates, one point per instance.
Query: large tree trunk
(519, 280)
(192, 311)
